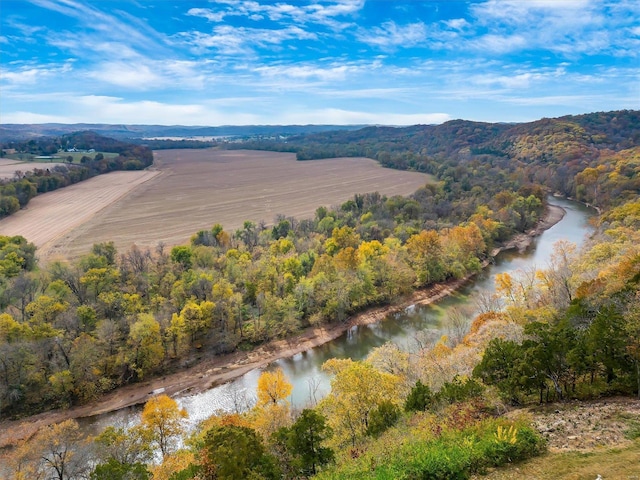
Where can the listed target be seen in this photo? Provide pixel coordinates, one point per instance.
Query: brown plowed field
(50, 215)
(198, 188)
(8, 167)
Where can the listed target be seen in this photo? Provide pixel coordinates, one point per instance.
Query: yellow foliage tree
(163, 421)
(356, 389)
(173, 463)
(273, 387)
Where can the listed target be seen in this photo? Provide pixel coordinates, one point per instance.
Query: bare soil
(49, 216)
(199, 188)
(8, 167)
(587, 440)
(587, 425)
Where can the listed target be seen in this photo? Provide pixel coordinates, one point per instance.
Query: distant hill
(27, 131)
(592, 132)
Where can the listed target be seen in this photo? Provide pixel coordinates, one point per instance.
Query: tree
(502, 365)
(273, 387)
(124, 445)
(183, 256)
(426, 257)
(356, 389)
(384, 416)
(114, 470)
(163, 421)
(304, 440)
(146, 343)
(419, 398)
(233, 452)
(632, 331)
(62, 453)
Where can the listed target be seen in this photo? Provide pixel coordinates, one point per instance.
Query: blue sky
(240, 62)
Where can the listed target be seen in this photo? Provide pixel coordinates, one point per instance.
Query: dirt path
(221, 369)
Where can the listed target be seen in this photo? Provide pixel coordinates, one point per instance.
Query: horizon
(323, 62)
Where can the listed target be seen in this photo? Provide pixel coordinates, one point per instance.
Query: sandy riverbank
(215, 370)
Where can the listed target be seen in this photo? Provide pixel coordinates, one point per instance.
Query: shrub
(382, 418)
(460, 390)
(419, 398)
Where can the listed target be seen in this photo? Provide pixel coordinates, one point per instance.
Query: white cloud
(335, 116)
(31, 117)
(499, 43)
(145, 74)
(457, 23)
(206, 13)
(107, 28)
(568, 27)
(29, 74)
(233, 40)
(114, 110)
(335, 72)
(390, 35)
(320, 12)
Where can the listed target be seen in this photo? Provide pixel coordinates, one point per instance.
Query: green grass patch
(450, 454)
(60, 157)
(633, 425)
(617, 463)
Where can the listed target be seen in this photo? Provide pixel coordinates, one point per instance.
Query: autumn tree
(123, 445)
(273, 387)
(357, 388)
(145, 341)
(272, 409)
(163, 422)
(63, 452)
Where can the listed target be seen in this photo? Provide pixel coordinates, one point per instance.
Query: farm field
(198, 188)
(51, 215)
(8, 166)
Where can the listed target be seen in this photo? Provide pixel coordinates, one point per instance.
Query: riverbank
(213, 371)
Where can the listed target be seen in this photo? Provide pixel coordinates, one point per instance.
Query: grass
(60, 157)
(616, 463)
(633, 424)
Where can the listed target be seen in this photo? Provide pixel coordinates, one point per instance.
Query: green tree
(383, 417)
(183, 256)
(114, 470)
(304, 440)
(233, 452)
(419, 398)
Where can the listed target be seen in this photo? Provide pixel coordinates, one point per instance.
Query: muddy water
(303, 370)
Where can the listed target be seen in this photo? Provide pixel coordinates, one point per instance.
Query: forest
(16, 193)
(72, 331)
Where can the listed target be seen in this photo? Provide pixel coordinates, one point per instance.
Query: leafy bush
(419, 398)
(456, 454)
(382, 418)
(460, 390)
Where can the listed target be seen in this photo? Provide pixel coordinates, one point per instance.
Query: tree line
(15, 193)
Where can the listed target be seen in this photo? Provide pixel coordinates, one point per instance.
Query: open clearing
(8, 167)
(51, 215)
(195, 190)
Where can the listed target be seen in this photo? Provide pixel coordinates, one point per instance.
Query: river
(304, 369)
